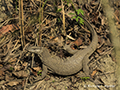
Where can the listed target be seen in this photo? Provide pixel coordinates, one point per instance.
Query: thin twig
(63, 17)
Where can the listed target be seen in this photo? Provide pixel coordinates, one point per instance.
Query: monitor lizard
(72, 64)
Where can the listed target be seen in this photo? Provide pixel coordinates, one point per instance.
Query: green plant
(53, 81)
(57, 11)
(66, 88)
(84, 78)
(77, 12)
(68, 1)
(39, 72)
(78, 18)
(58, 19)
(11, 68)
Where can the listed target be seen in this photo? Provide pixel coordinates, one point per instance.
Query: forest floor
(47, 27)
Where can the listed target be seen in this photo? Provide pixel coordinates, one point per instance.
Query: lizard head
(35, 49)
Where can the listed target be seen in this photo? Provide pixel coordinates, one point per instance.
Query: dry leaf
(37, 68)
(21, 73)
(8, 28)
(12, 60)
(59, 40)
(93, 73)
(1, 72)
(15, 82)
(25, 64)
(99, 51)
(17, 68)
(78, 42)
(35, 73)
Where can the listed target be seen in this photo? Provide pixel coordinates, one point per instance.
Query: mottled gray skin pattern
(73, 64)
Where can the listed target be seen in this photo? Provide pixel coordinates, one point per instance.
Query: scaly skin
(73, 64)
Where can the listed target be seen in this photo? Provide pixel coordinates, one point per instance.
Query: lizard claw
(44, 73)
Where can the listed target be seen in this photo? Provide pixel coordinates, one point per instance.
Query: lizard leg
(85, 66)
(44, 73)
(87, 72)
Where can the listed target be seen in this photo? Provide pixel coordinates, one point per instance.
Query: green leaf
(81, 77)
(56, 8)
(77, 18)
(71, 13)
(73, 17)
(80, 11)
(11, 68)
(88, 77)
(39, 72)
(59, 10)
(59, 19)
(68, 1)
(66, 87)
(53, 81)
(81, 21)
